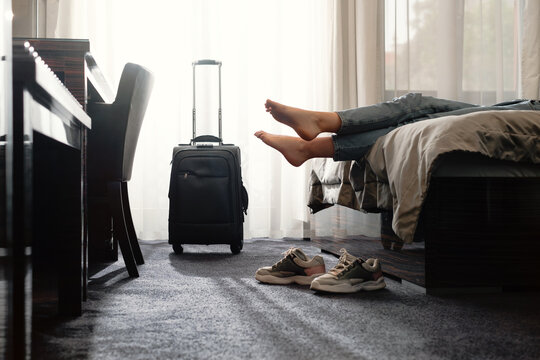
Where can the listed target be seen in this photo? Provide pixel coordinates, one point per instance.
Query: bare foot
(304, 122)
(292, 148)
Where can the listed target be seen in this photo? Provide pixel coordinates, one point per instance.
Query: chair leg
(130, 227)
(114, 191)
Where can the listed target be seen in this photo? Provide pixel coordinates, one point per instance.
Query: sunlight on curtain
(458, 49)
(269, 49)
(530, 48)
(357, 80)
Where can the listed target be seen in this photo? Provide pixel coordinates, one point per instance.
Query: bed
(452, 202)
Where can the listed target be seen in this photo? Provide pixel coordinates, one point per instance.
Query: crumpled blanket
(396, 172)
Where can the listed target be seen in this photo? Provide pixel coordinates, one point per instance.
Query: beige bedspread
(395, 174)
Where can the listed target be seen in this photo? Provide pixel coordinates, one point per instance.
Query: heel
(374, 285)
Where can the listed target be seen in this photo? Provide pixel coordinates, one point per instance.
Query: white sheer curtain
(478, 51)
(357, 49)
(324, 55)
(269, 49)
(356, 73)
(529, 33)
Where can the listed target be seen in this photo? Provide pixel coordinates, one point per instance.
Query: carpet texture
(206, 304)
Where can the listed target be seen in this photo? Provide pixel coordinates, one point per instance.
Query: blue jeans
(361, 127)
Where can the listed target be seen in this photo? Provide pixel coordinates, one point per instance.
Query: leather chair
(110, 152)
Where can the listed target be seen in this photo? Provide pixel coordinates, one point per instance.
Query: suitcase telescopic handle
(206, 62)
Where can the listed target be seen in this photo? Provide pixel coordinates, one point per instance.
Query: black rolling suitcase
(207, 200)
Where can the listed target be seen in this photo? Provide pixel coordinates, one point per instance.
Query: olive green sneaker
(350, 275)
(295, 267)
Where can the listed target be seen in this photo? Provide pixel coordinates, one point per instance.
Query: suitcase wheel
(236, 248)
(178, 249)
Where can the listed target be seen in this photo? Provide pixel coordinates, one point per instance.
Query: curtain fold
(343, 49)
(357, 53)
(530, 49)
(450, 51)
(369, 52)
(356, 78)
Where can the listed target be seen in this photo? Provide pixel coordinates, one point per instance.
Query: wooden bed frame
(475, 232)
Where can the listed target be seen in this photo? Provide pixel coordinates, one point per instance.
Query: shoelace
(342, 265)
(285, 255)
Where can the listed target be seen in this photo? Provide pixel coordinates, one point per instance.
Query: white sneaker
(350, 275)
(295, 267)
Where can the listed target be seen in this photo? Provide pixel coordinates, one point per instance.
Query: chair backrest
(130, 106)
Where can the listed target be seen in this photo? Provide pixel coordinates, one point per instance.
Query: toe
(270, 103)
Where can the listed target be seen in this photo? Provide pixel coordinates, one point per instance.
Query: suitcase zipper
(185, 173)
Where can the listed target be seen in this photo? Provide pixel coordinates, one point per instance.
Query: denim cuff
(337, 148)
(344, 121)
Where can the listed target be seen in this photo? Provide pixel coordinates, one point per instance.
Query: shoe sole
(348, 288)
(298, 279)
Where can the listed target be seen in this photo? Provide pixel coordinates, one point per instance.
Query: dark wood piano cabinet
(73, 63)
(45, 201)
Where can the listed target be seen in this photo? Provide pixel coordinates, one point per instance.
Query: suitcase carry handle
(206, 62)
(206, 139)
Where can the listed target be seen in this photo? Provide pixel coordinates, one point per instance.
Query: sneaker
(350, 275)
(295, 267)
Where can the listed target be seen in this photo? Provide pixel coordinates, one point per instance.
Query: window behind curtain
(458, 49)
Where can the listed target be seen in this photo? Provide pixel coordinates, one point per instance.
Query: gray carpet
(206, 304)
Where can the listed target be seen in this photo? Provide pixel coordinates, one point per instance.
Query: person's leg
(368, 122)
(521, 104)
(307, 124)
(533, 104)
(356, 146)
(509, 105)
(404, 109)
(297, 150)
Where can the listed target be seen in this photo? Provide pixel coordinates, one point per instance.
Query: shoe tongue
(348, 257)
(299, 253)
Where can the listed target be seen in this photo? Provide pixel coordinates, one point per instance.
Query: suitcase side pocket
(202, 191)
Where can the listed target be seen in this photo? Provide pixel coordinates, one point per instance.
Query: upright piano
(45, 262)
